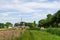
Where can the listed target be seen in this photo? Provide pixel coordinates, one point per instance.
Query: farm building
(21, 25)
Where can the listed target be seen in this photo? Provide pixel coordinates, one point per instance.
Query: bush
(34, 29)
(55, 31)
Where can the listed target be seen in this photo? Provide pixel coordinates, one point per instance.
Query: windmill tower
(22, 24)
(21, 19)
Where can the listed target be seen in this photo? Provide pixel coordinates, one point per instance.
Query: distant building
(10, 26)
(42, 27)
(22, 24)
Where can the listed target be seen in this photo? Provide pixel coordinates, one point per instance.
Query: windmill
(22, 24)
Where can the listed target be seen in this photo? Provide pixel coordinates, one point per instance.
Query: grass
(29, 34)
(4, 29)
(34, 29)
(37, 35)
(55, 31)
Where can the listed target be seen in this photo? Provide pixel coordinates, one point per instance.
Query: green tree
(42, 23)
(35, 24)
(1, 25)
(31, 25)
(16, 24)
(49, 20)
(8, 24)
(57, 17)
(46, 22)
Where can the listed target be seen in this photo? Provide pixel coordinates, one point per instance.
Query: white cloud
(17, 7)
(42, 0)
(24, 9)
(42, 5)
(39, 16)
(4, 14)
(7, 14)
(16, 1)
(7, 6)
(28, 7)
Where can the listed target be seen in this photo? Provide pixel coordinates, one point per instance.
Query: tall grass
(55, 31)
(33, 29)
(31, 34)
(37, 35)
(9, 34)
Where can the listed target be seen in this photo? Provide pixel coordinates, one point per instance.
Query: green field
(37, 35)
(30, 34)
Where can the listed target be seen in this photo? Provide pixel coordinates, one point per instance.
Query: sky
(29, 10)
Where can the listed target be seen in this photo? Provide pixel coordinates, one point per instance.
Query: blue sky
(29, 10)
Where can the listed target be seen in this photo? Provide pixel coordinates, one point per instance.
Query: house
(42, 27)
(22, 24)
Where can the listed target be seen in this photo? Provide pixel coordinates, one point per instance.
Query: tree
(1, 25)
(8, 24)
(57, 17)
(46, 22)
(31, 25)
(57, 14)
(35, 24)
(42, 23)
(49, 19)
(16, 24)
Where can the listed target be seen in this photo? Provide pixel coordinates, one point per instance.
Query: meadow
(30, 34)
(38, 35)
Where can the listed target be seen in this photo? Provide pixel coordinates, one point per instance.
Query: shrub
(34, 29)
(55, 31)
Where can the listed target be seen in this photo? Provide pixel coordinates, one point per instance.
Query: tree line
(50, 21)
(8, 24)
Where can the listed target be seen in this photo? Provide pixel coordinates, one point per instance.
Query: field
(9, 34)
(38, 35)
(35, 34)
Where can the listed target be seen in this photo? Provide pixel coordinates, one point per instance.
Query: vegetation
(51, 29)
(31, 34)
(31, 25)
(8, 24)
(51, 21)
(9, 34)
(37, 35)
(1, 25)
(16, 24)
(55, 31)
(34, 29)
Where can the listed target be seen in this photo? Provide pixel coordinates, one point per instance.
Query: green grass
(34, 29)
(55, 31)
(37, 35)
(2, 29)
